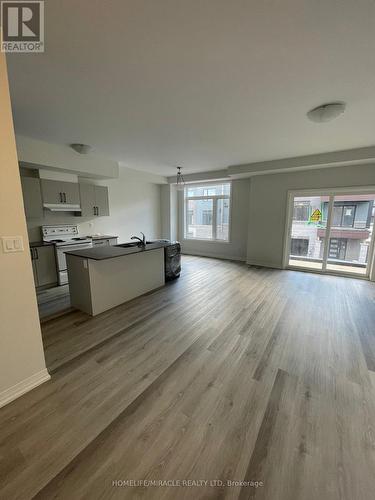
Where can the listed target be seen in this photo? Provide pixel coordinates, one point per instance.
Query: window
(301, 210)
(207, 211)
(299, 247)
(207, 217)
(190, 217)
(343, 215)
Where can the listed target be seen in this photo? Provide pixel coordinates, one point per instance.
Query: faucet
(142, 241)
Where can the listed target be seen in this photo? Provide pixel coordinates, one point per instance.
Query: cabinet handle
(94, 210)
(64, 197)
(61, 198)
(97, 210)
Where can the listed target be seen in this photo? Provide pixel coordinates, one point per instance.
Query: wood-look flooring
(228, 374)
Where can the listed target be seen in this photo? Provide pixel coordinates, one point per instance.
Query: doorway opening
(331, 232)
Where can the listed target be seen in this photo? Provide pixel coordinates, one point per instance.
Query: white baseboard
(24, 386)
(213, 255)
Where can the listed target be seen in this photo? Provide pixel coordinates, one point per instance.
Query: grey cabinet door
(105, 242)
(51, 191)
(100, 243)
(32, 197)
(59, 192)
(101, 200)
(70, 192)
(87, 194)
(32, 253)
(45, 263)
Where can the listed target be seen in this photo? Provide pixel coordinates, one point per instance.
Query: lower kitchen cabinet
(44, 265)
(105, 242)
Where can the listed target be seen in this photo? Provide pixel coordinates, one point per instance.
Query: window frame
(214, 199)
(342, 206)
(331, 193)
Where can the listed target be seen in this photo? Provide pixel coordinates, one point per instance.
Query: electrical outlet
(12, 244)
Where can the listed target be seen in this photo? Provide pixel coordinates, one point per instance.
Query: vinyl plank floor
(250, 383)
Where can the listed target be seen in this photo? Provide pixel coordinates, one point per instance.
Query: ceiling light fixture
(180, 180)
(82, 149)
(326, 112)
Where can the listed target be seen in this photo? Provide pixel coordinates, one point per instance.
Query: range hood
(62, 207)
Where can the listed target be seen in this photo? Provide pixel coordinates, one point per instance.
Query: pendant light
(180, 182)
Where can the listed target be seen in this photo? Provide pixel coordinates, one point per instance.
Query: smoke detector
(326, 112)
(82, 149)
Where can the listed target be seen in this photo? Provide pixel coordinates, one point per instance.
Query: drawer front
(100, 243)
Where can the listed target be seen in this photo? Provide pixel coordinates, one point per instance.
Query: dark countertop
(34, 244)
(102, 237)
(102, 253)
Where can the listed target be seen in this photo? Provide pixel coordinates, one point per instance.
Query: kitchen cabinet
(94, 200)
(32, 197)
(104, 242)
(101, 200)
(44, 265)
(56, 192)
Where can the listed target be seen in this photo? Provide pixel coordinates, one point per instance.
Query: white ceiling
(199, 83)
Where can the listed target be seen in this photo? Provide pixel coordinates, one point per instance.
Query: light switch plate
(12, 244)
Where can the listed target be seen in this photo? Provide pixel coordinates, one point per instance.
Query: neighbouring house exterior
(351, 228)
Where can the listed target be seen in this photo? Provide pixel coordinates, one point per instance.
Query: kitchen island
(104, 277)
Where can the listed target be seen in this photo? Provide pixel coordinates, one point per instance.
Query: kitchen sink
(127, 245)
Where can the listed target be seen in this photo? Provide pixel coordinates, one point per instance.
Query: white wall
(236, 248)
(61, 156)
(134, 204)
(174, 212)
(169, 211)
(268, 204)
(22, 363)
(166, 213)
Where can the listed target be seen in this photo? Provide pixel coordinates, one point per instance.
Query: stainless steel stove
(65, 237)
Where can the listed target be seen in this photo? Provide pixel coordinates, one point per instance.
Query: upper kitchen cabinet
(32, 197)
(55, 192)
(101, 200)
(94, 200)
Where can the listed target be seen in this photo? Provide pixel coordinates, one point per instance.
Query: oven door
(61, 259)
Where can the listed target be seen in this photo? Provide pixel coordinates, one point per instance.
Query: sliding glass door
(351, 231)
(308, 231)
(331, 232)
